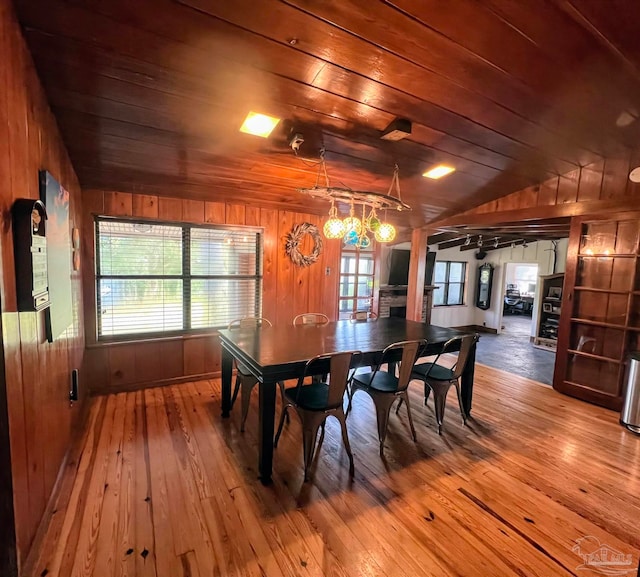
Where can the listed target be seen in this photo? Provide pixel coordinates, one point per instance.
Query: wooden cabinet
(549, 311)
(602, 297)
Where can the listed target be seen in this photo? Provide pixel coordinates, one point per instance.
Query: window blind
(161, 278)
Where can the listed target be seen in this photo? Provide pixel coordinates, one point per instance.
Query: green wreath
(294, 238)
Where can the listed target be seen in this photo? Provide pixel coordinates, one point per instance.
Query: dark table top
(283, 346)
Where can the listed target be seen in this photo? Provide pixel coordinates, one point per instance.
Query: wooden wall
(287, 289)
(603, 185)
(41, 421)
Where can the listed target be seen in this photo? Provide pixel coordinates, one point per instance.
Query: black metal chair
(384, 387)
(438, 378)
(315, 401)
(245, 381)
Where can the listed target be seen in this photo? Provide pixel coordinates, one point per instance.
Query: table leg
(227, 370)
(467, 381)
(267, 413)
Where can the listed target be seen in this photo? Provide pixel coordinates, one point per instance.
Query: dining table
(280, 353)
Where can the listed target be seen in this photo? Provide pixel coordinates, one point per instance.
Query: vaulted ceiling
(149, 94)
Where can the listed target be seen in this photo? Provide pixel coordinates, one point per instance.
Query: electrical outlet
(73, 392)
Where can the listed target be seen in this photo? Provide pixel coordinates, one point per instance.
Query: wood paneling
(508, 495)
(287, 290)
(41, 420)
(603, 186)
(150, 94)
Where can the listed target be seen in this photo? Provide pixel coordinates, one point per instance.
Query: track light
(524, 244)
(513, 244)
(479, 241)
(495, 242)
(467, 241)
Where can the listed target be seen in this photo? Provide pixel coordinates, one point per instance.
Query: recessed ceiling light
(439, 171)
(259, 124)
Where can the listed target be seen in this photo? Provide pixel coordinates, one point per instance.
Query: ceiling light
(259, 124)
(496, 242)
(480, 241)
(398, 129)
(634, 175)
(467, 241)
(439, 171)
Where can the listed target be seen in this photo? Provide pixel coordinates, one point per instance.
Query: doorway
(512, 348)
(518, 299)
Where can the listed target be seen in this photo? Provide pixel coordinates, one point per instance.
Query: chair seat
(313, 397)
(381, 381)
(435, 372)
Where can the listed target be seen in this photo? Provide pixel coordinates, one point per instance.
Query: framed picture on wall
(555, 292)
(547, 307)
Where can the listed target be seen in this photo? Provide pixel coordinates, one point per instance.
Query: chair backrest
(464, 344)
(249, 323)
(363, 316)
(409, 356)
(311, 319)
(339, 365)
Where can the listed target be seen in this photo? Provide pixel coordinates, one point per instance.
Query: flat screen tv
(399, 267)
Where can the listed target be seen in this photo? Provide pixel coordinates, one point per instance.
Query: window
(449, 277)
(356, 281)
(526, 277)
(170, 278)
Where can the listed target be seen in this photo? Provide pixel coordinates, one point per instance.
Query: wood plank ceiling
(149, 94)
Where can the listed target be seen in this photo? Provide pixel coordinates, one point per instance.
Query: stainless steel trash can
(630, 416)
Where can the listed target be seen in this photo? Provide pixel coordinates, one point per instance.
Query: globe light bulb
(333, 228)
(386, 232)
(353, 223)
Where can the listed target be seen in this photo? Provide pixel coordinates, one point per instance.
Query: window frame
(186, 277)
(447, 282)
(357, 276)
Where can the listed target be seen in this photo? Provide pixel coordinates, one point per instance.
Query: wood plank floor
(161, 486)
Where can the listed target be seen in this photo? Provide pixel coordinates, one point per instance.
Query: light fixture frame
(349, 196)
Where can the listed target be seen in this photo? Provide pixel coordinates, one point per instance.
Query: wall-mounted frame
(555, 292)
(485, 282)
(547, 307)
(30, 254)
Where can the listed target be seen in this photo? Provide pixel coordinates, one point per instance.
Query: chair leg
(236, 390)
(285, 412)
(245, 397)
(351, 391)
(427, 391)
(311, 424)
(383, 404)
(281, 385)
(460, 404)
(440, 389)
(405, 397)
(339, 414)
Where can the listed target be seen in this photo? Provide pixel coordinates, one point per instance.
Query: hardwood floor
(160, 485)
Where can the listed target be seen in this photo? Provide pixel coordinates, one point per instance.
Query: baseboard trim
(130, 387)
(477, 329)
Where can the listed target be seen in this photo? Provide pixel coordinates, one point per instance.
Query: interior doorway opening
(518, 302)
(512, 349)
